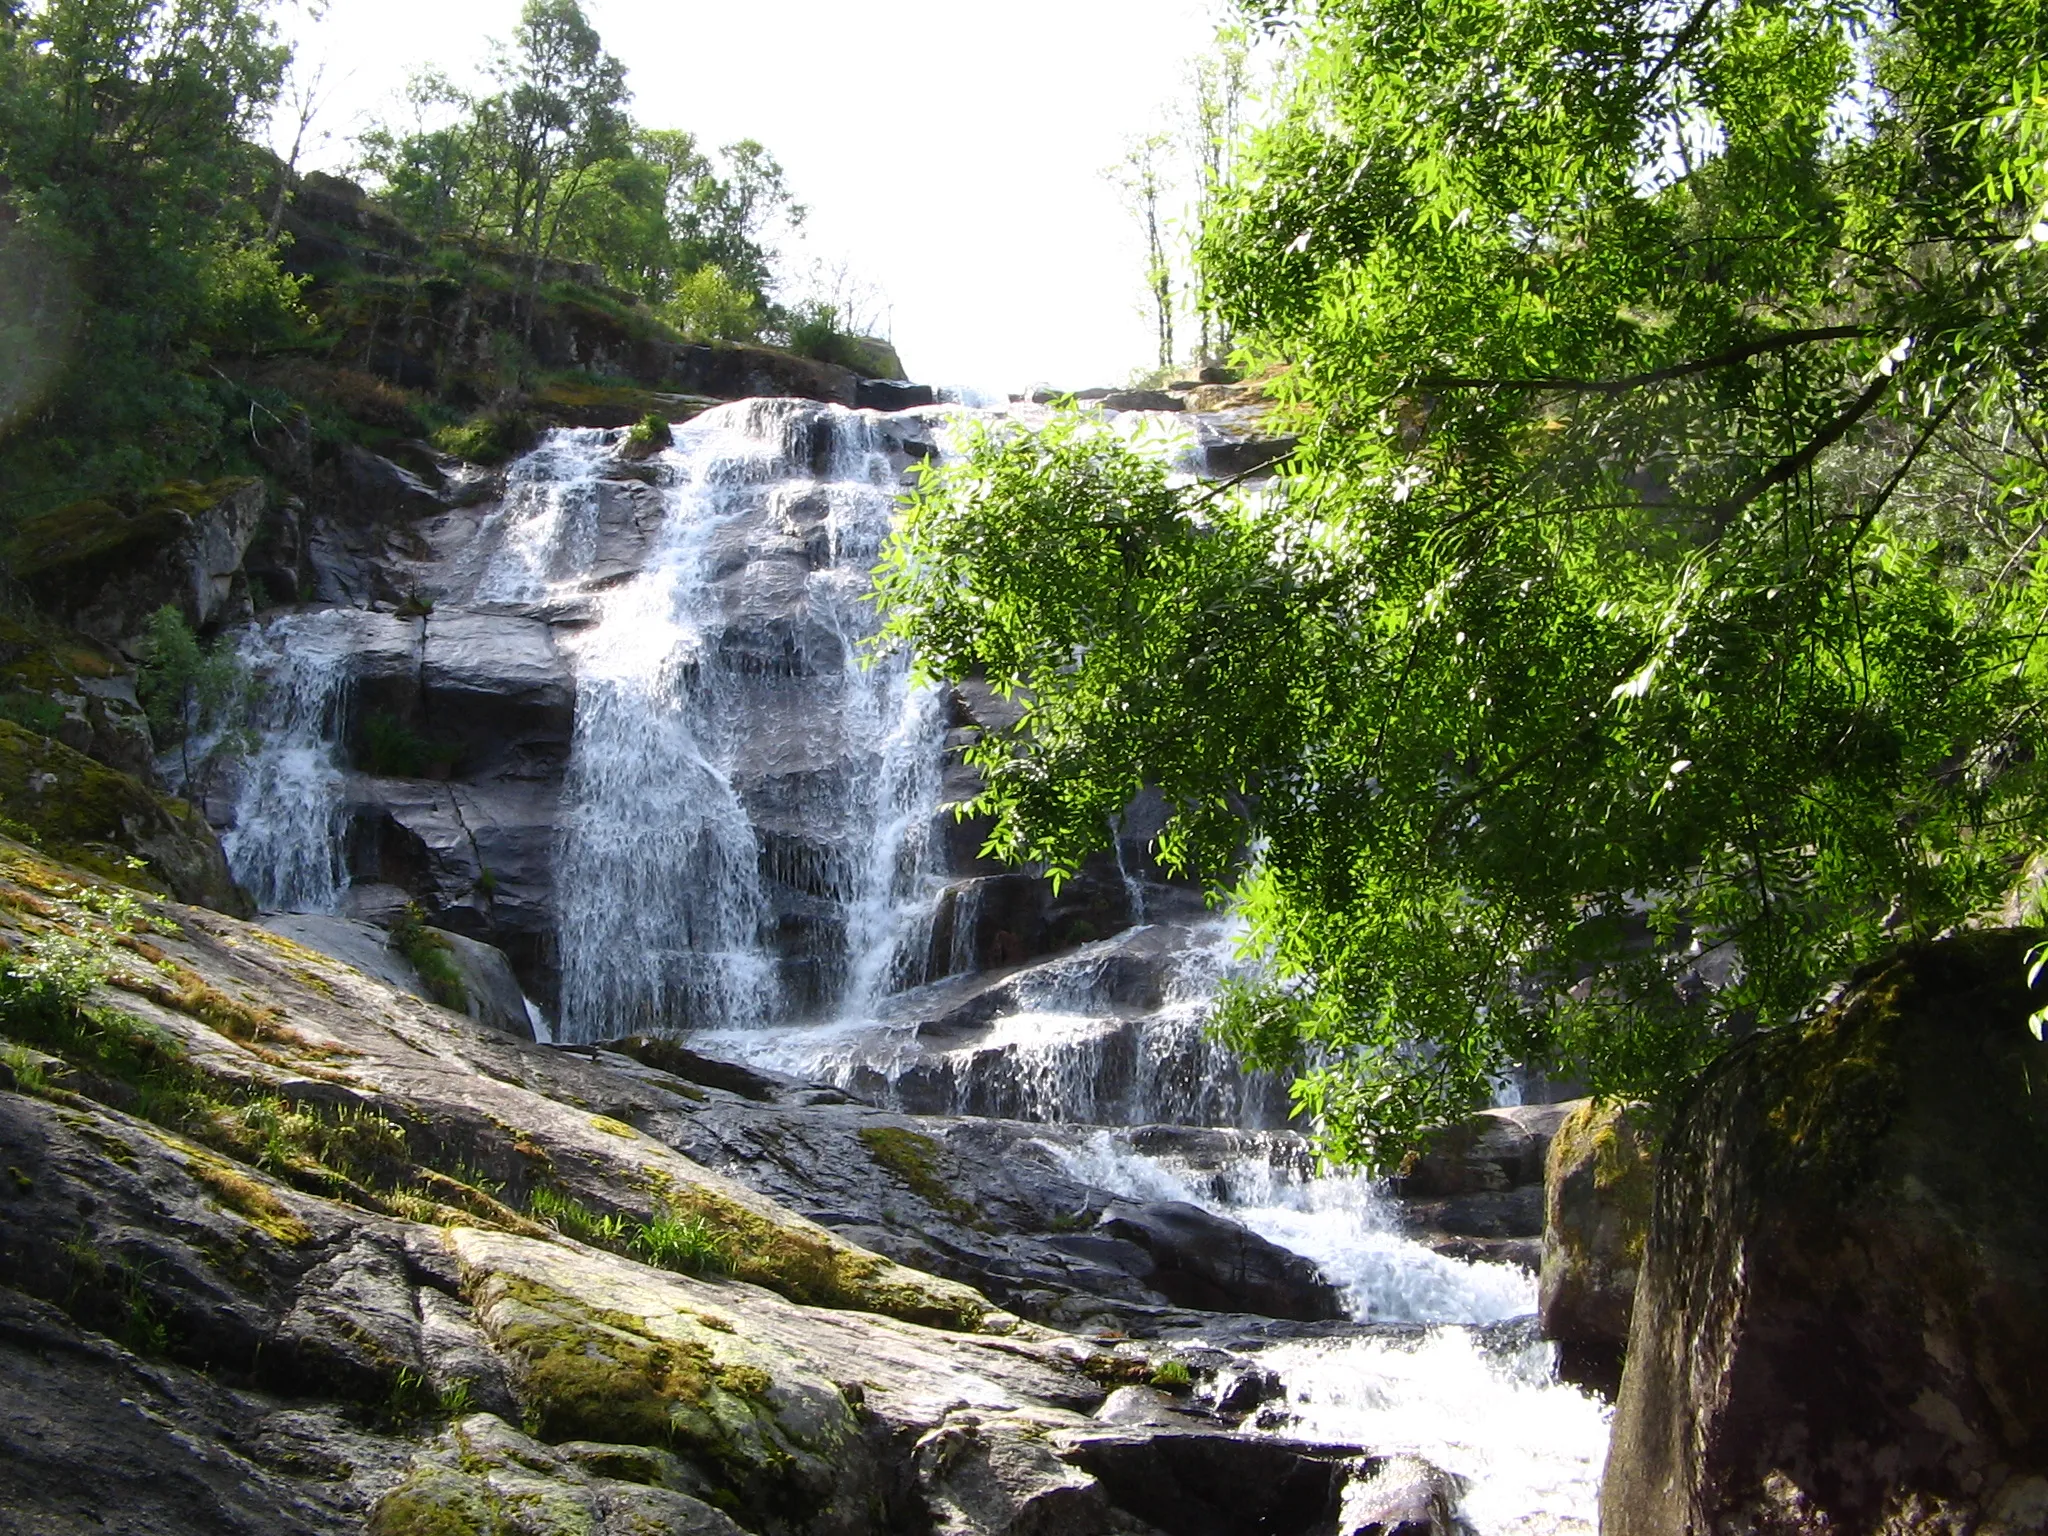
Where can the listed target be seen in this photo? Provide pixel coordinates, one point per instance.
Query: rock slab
(1842, 1318)
(1598, 1186)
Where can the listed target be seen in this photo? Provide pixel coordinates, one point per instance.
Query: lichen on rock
(1842, 1316)
(1599, 1180)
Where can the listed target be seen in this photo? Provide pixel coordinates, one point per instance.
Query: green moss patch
(589, 1374)
(912, 1159)
(109, 823)
(815, 1269)
(254, 1203)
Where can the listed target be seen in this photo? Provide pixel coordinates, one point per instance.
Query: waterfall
(745, 833)
(285, 844)
(747, 850)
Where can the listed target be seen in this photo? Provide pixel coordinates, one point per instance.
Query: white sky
(950, 154)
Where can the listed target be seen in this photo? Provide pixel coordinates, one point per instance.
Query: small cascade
(285, 843)
(1471, 1390)
(546, 534)
(1344, 1222)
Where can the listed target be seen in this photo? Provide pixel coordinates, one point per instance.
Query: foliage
(817, 329)
(490, 437)
(650, 432)
(394, 750)
(572, 1218)
(128, 182)
(1645, 631)
(550, 164)
(686, 1242)
(707, 305)
(431, 956)
(187, 689)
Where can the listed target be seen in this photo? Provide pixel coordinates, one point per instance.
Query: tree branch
(1793, 465)
(1783, 341)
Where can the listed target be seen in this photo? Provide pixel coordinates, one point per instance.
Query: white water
(285, 846)
(728, 738)
(1528, 1449)
(1342, 1222)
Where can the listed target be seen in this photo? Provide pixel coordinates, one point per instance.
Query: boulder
(1191, 1482)
(728, 372)
(495, 998)
(892, 395)
(1203, 1260)
(1476, 1191)
(1598, 1184)
(72, 691)
(379, 489)
(1248, 457)
(94, 816)
(1141, 400)
(105, 566)
(1841, 1322)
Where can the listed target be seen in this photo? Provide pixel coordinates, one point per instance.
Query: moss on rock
(812, 1267)
(99, 819)
(913, 1160)
(1599, 1184)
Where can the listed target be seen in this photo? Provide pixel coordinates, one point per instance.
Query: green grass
(685, 1242)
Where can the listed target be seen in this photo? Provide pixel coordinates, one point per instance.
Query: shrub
(431, 956)
(394, 750)
(490, 437)
(709, 306)
(650, 432)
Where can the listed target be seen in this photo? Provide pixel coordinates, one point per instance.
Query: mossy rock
(61, 686)
(1842, 1318)
(1597, 1190)
(912, 1159)
(575, 402)
(90, 815)
(87, 533)
(809, 1265)
(104, 566)
(603, 1350)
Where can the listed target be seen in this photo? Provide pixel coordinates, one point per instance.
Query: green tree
(1212, 121)
(1144, 178)
(126, 168)
(1647, 628)
(550, 165)
(189, 689)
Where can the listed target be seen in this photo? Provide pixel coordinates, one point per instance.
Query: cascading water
(747, 805)
(745, 851)
(1481, 1402)
(285, 845)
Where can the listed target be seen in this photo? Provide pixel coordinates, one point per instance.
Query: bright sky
(950, 154)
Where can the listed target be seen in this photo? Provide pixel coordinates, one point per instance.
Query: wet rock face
(1205, 1261)
(1842, 1318)
(1476, 1192)
(1598, 1185)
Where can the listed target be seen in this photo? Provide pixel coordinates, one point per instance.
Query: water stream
(748, 853)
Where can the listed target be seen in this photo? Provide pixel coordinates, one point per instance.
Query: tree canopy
(1647, 627)
(131, 242)
(549, 162)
